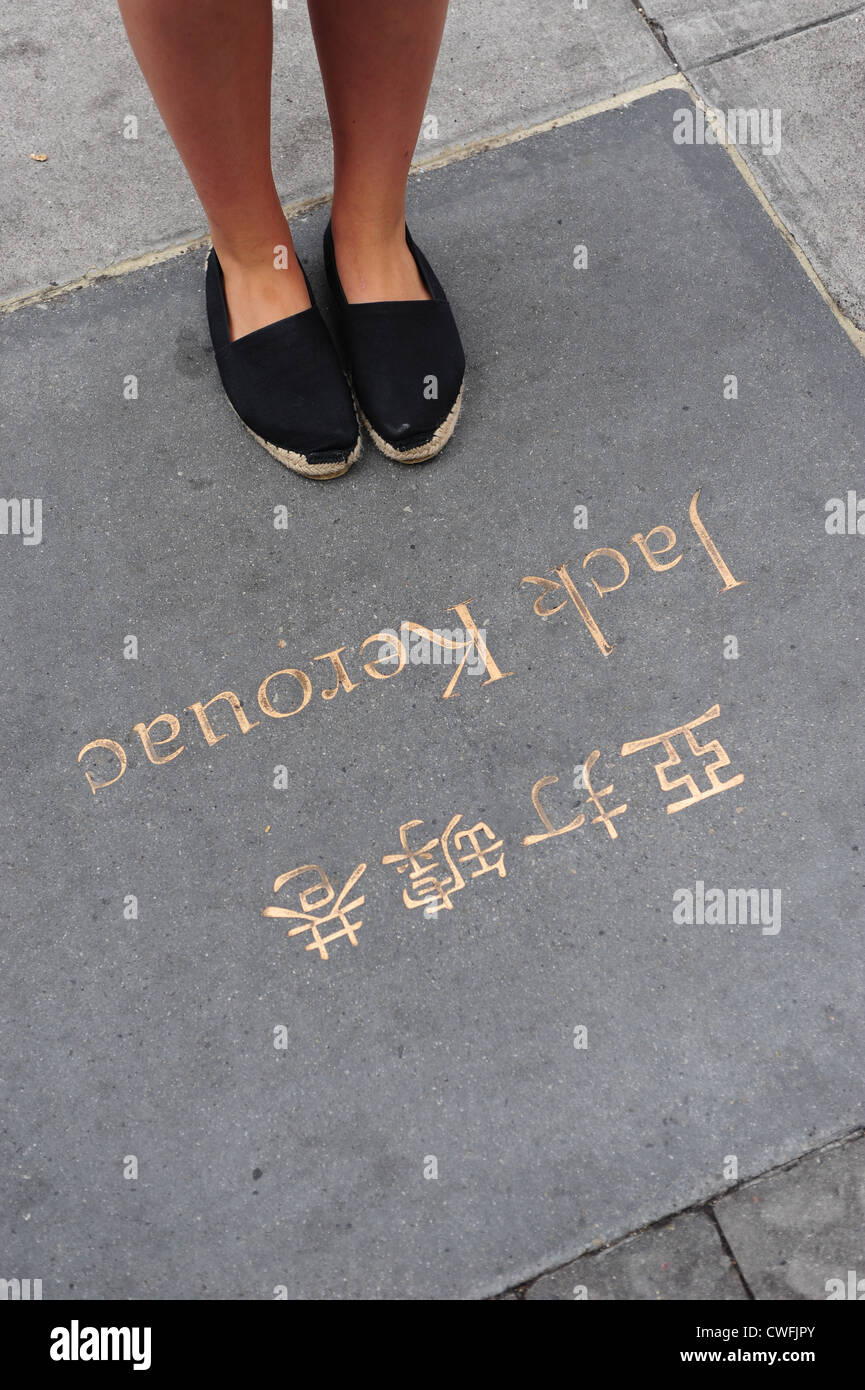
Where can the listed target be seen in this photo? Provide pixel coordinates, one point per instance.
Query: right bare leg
(208, 65)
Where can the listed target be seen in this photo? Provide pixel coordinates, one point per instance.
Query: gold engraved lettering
(432, 890)
(616, 555)
(198, 709)
(477, 644)
(342, 676)
(264, 700)
(549, 584)
(481, 853)
(143, 732)
(113, 747)
(649, 555)
(606, 817)
(474, 642)
(673, 760)
(312, 918)
(551, 831)
(580, 605)
(711, 549)
(399, 652)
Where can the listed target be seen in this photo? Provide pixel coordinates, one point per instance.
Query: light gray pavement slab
(698, 30)
(801, 1233)
(69, 82)
(449, 1037)
(683, 1259)
(814, 79)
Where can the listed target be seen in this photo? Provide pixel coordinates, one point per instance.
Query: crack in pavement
(661, 36)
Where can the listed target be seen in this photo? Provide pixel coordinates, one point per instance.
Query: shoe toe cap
(407, 385)
(287, 385)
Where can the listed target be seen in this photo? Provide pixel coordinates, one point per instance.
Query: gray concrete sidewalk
(201, 1107)
(73, 92)
(798, 1233)
(70, 86)
(800, 63)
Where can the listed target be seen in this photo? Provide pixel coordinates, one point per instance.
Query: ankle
(261, 288)
(261, 256)
(368, 233)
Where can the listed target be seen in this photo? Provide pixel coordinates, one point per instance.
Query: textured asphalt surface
(198, 1106)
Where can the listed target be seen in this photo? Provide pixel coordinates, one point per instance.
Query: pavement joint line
(705, 1205)
(455, 154)
(658, 33)
(728, 1251)
(451, 155)
(628, 134)
(617, 102)
(782, 34)
(854, 333)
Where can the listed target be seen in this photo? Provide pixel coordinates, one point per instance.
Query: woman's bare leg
(208, 65)
(377, 59)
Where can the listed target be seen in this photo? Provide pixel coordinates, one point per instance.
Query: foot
(405, 360)
(289, 389)
(258, 293)
(375, 269)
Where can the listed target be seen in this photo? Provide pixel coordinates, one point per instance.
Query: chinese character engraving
(312, 916)
(713, 747)
(605, 817)
(434, 890)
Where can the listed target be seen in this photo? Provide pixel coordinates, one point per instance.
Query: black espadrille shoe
(405, 361)
(286, 383)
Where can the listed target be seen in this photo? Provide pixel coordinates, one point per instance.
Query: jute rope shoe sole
(298, 463)
(392, 348)
(285, 383)
(421, 452)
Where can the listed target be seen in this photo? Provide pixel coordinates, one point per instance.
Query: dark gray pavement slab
(683, 1259)
(69, 83)
(801, 1233)
(813, 80)
(698, 30)
(441, 1042)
